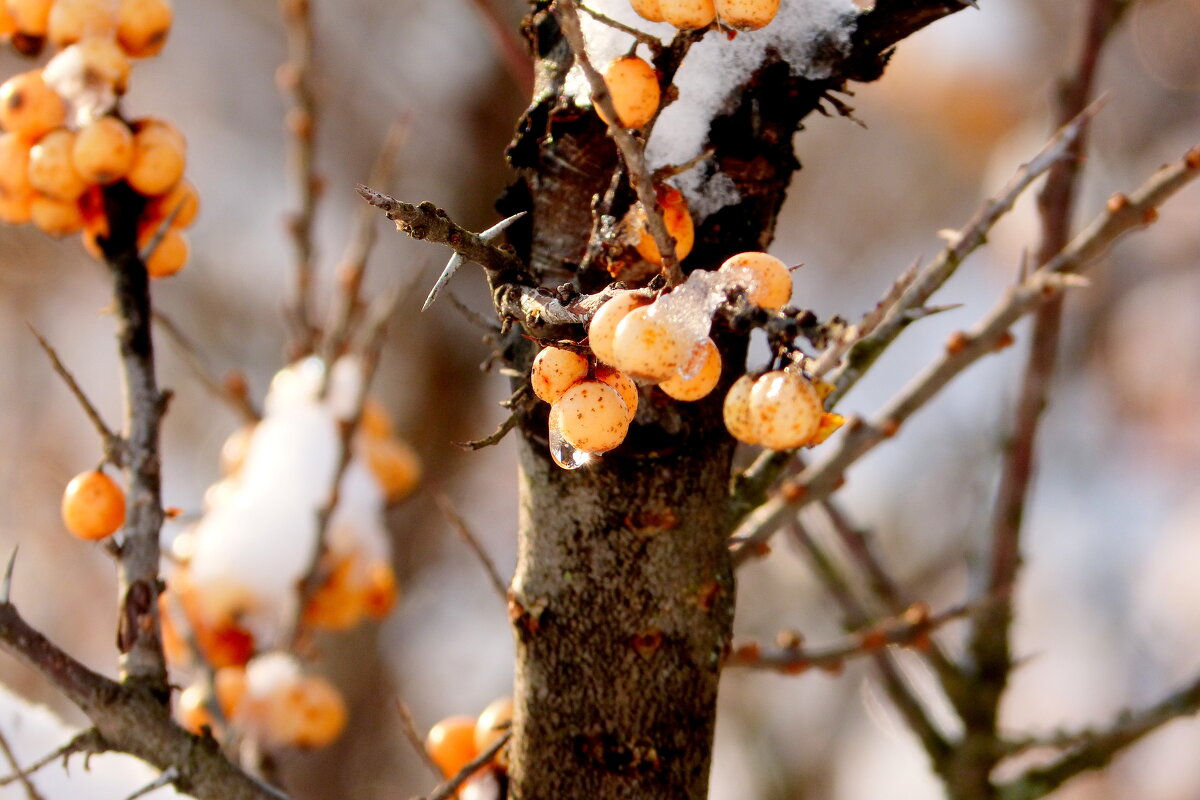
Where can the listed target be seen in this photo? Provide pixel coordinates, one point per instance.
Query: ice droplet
(565, 454)
(689, 308)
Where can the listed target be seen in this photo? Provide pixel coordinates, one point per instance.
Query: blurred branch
(447, 789)
(464, 532)
(31, 791)
(512, 52)
(115, 449)
(409, 728)
(88, 742)
(237, 399)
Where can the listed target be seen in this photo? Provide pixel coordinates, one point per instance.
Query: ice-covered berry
(698, 376)
(648, 346)
(592, 417)
(767, 280)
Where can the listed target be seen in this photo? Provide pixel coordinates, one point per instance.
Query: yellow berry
(103, 151)
(688, 14)
(51, 168)
(29, 107)
(622, 383)
(592, 417)
(786, 410)
(677, 220)
(603, 327)
(736, 411)
(747, 15)
(493, 723)
(767, 279)
(159, 158)
(647, 9)
(703, 371)
(182, 197)
(394, 464)
(633, 86)
(72, 20)
(143, 25)
(649, 347)
(93, 506)
(554, 371)
(30, 16)
(451, 744)
(168, 256)
(56, 217)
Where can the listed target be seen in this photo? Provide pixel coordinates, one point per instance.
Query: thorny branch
(87, 742)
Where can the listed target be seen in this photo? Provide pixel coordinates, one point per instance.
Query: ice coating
(688, 308)
(563, 452)
(804, 32)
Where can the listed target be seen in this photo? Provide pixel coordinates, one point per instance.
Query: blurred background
(1108, 608)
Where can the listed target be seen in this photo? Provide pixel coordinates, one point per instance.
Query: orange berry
(493, 722)
(231, 688)
(191, 709)
(736, 411)
(592, 417)
(337, 604)
(623, 384)
(183, 197)
(51, 168)
(30, 16)
(103, 151)
(143, 26)
(29, 107)
(648, 346)
(16, 209)
(72, 20)
(703, 370)
(380, 591)
(8, 26)
(375, 420)
(93, 506)
(14, 167)
(168, 256)
(633, 86)
(554, 371)
(746, 15)
(786, 410)
(603, 328)
(688, 14)
(767, 279)
(394, 464)
(159, 158)
(56, 217)
(320, 712)
(678, 222)
(221, 642)
(647, 9)
(451, 744)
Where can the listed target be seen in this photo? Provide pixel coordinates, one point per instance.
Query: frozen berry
(688, 14)
(698, 377)
(786, 410)
(603, 327)
(767, 281)
(648, 346)
(746, 15)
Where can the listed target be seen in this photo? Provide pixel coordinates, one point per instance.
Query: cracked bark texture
(622, 602)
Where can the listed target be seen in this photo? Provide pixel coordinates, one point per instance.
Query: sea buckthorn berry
(592, 417)
(103, 151)
(380, 592)
(786, 410)
(451, 744)
(767, 279)
(647, 9)
(554, 371)
(93, 506)
(688, 14)
(94, 63)
(55, 217)
(183, 197)
(394, 464)
(168, 256)
(191, 709)
(159, 158)
(31, 17)
(623, 384)
(648, 347)
(8, 26)
(747, 15)
(143, 25)
(309, 713)
(16, 209)
(703, 371)
(603, 327)
(375, 420)
(29, 107)
(633, 86)
(14, 166)
(677, 220)
(72, 20)
(231, 688)
(493, 723)
(51, 169)
(736, 411)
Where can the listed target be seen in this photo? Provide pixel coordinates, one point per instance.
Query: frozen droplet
(565, 454)
(688, 308)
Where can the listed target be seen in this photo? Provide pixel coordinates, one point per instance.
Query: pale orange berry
(623, 384)
(375, 420)
(93, 506)
(336, 605)
(16, 209)
(736, 411)
(451, 744)
(168, 256)
(767, 279)
(633, 86)
(103, 151)
(786, 410)
(159, 158)
(493, 722)
(309, 713)
(592, 417)
(554, 371)
(143, 26)
(31, 17)
(55, 217)
(380, 592)
(51, 168)
(677, 220)
(182, 197)
(234, 449)
(29, 107)
(649, 347)
(14, 166)
(688, 14)
(72, 20)
(703, 371)
(394, 464)
(231, 688)
(747, 15)
(647, 9)
(603, 327)
(221, 641)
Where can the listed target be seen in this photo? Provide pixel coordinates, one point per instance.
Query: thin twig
(168, 777)
(464, 531)
(114, 446)
(6, 586)
(447, 789)
(496, 436)
(239, 401)
(652, 42)
(87, 742)
(512, 52)
(409, 728)
(22, 775)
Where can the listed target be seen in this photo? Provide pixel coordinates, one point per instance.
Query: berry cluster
(742, 15)
(65, 140)
(457, 741)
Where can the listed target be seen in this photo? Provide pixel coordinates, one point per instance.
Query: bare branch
(447, 789)
(31, 791)
(87, 742)
(239, 401)
(409, 728)
(464, 531)
(496, 436)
